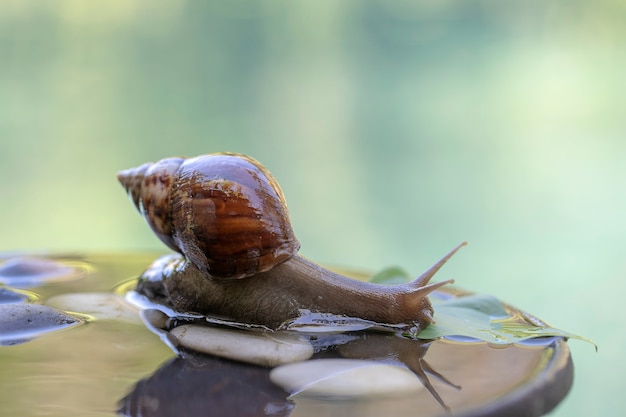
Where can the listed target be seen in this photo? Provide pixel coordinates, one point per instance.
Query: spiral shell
(224, 212)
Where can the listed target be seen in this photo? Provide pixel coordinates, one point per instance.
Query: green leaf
(390, 276)
(485, 318)
(521, 331)
(454, 321)
(479, 316)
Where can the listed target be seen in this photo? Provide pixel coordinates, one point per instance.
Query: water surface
(114, 362)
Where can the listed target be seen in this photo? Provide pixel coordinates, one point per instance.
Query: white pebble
(103, 306)
(256, 347)
(344, 378)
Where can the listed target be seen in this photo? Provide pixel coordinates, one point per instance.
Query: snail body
(227, 218)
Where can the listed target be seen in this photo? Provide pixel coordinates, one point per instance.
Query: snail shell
(224, 212)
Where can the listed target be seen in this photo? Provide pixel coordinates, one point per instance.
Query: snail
(226, 216)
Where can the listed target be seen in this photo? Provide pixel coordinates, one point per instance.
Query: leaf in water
(485, 318)
(479, 316)
(519, 331)
(390, 276)
(459, 321)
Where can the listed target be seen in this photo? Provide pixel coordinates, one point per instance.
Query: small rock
(259, 348)
(11, 297)
(157, 322)
(344, 378)
(102, 306)
(154, 319)
(23, 272)
(22, 322)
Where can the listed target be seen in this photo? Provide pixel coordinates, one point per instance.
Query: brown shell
(149, 187)
(224, 212)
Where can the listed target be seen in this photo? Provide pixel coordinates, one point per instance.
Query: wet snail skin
(227, 218)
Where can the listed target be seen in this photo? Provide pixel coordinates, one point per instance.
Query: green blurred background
(397, 129)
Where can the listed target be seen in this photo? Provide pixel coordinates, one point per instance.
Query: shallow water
(84, 370)
(113, 362)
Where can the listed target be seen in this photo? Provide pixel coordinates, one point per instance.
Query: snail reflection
(193, 384)
(202, 384)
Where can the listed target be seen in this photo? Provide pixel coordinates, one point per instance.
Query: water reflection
(194, 384)
(283, 347)
(398, 351)
(113, 348)
(447, 376)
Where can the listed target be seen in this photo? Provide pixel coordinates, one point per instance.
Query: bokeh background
(397, 129)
